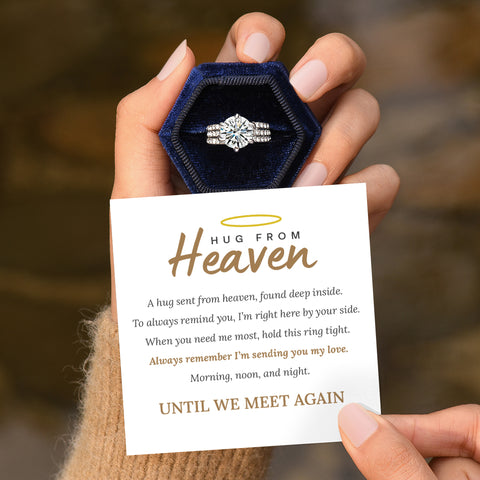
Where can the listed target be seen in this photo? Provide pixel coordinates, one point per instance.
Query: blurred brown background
(66, 64)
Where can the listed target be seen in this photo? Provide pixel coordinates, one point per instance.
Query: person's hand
(323, 78)
(393, 447)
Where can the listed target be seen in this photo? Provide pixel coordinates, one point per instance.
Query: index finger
(453, 432)
(254, 37)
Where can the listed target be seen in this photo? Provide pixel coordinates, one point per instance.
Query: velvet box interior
(259, 93)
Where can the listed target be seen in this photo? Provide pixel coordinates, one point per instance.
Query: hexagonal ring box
(239, 126)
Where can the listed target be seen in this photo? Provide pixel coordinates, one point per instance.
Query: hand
(323, 77)
(394, 446)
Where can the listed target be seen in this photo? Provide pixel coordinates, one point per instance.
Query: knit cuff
(98, 447)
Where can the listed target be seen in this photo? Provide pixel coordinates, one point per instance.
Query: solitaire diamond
(237, 132)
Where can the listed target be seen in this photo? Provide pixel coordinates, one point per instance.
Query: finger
(454, 432)
(253, 38)
(333, 61)
(378, 449)
(382, 187)
(352, 122)
(455, 468)
(142, 167)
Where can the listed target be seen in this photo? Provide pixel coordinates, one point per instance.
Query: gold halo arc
(227, 222)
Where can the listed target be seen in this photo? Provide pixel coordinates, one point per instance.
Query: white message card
(245, 318)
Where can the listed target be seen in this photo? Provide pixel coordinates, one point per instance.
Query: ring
(237, 132)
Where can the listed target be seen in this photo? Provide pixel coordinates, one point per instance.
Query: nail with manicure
(174, 61)
(309, 78)
(257, 47)
(357, 424)
(315, 173)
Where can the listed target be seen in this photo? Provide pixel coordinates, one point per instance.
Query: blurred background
(67, 63)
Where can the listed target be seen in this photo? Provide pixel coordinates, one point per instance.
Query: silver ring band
(237, 132)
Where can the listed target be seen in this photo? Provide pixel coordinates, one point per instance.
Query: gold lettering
(251, 403)
(321, 399)
(162, 411)
(189, 256)
(232, 259)
(255, 264)
(235, 256)
(293, 258)
(299, 400)
(177, 407)
(276, 256)
(210, 260)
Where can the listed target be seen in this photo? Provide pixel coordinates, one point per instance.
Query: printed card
(245, 318)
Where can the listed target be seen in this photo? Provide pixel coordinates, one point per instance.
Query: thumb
(378, 449)
(142, 167)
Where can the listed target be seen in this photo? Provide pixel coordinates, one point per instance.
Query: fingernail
(309, 78)
(357, 424)
(315, 173)
(257, 47)
(174, 61)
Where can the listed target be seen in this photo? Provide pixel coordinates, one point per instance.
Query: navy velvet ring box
(239, 126)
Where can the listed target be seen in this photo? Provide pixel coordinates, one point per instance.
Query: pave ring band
(237, 132)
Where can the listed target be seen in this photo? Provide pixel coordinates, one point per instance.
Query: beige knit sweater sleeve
(98, 448)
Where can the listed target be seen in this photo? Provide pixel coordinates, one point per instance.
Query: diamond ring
(237, 132)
